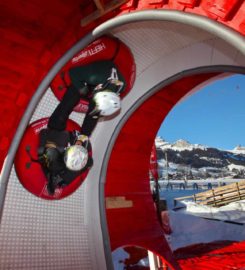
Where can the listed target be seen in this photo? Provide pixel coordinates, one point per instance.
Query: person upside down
(65, 155)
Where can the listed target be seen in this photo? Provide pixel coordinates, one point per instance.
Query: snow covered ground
(120, 257)
(194, 224)
(188, 229)
(234, 211)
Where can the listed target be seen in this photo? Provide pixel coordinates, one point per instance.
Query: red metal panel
(188, 3)
(131, 4)
(149, 4)
(157, 2)
(228, 12)
(173, 4)
(222, 9)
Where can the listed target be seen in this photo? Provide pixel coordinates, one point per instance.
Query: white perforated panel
(150, 42)
(41, 234)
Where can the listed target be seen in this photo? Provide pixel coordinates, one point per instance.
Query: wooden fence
(219, 196)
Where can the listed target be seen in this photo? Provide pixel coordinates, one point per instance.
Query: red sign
(153, 163)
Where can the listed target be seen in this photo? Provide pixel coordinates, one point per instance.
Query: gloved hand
(54, 181)
(82, 138)
(53, 159)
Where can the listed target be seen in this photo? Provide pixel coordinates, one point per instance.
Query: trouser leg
(90, 121)
(59, 117)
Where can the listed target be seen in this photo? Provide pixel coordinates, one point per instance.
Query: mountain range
(183, 160)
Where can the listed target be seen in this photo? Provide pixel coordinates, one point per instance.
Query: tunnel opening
(132, 182)
(180, 153)
(210, 117)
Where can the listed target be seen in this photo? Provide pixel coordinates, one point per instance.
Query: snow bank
(232, 212)
(188, 230)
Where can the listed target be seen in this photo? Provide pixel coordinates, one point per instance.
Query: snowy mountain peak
(238, 150)
(179, 145)
(160, 142)
(182, 144)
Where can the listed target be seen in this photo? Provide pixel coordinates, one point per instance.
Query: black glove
(54, 181)
(54, 160)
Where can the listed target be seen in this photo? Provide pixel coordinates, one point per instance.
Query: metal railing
(218, 196)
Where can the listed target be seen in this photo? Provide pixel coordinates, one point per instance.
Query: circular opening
(203, 154)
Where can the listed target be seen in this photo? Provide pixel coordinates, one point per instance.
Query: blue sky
(213, 116)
